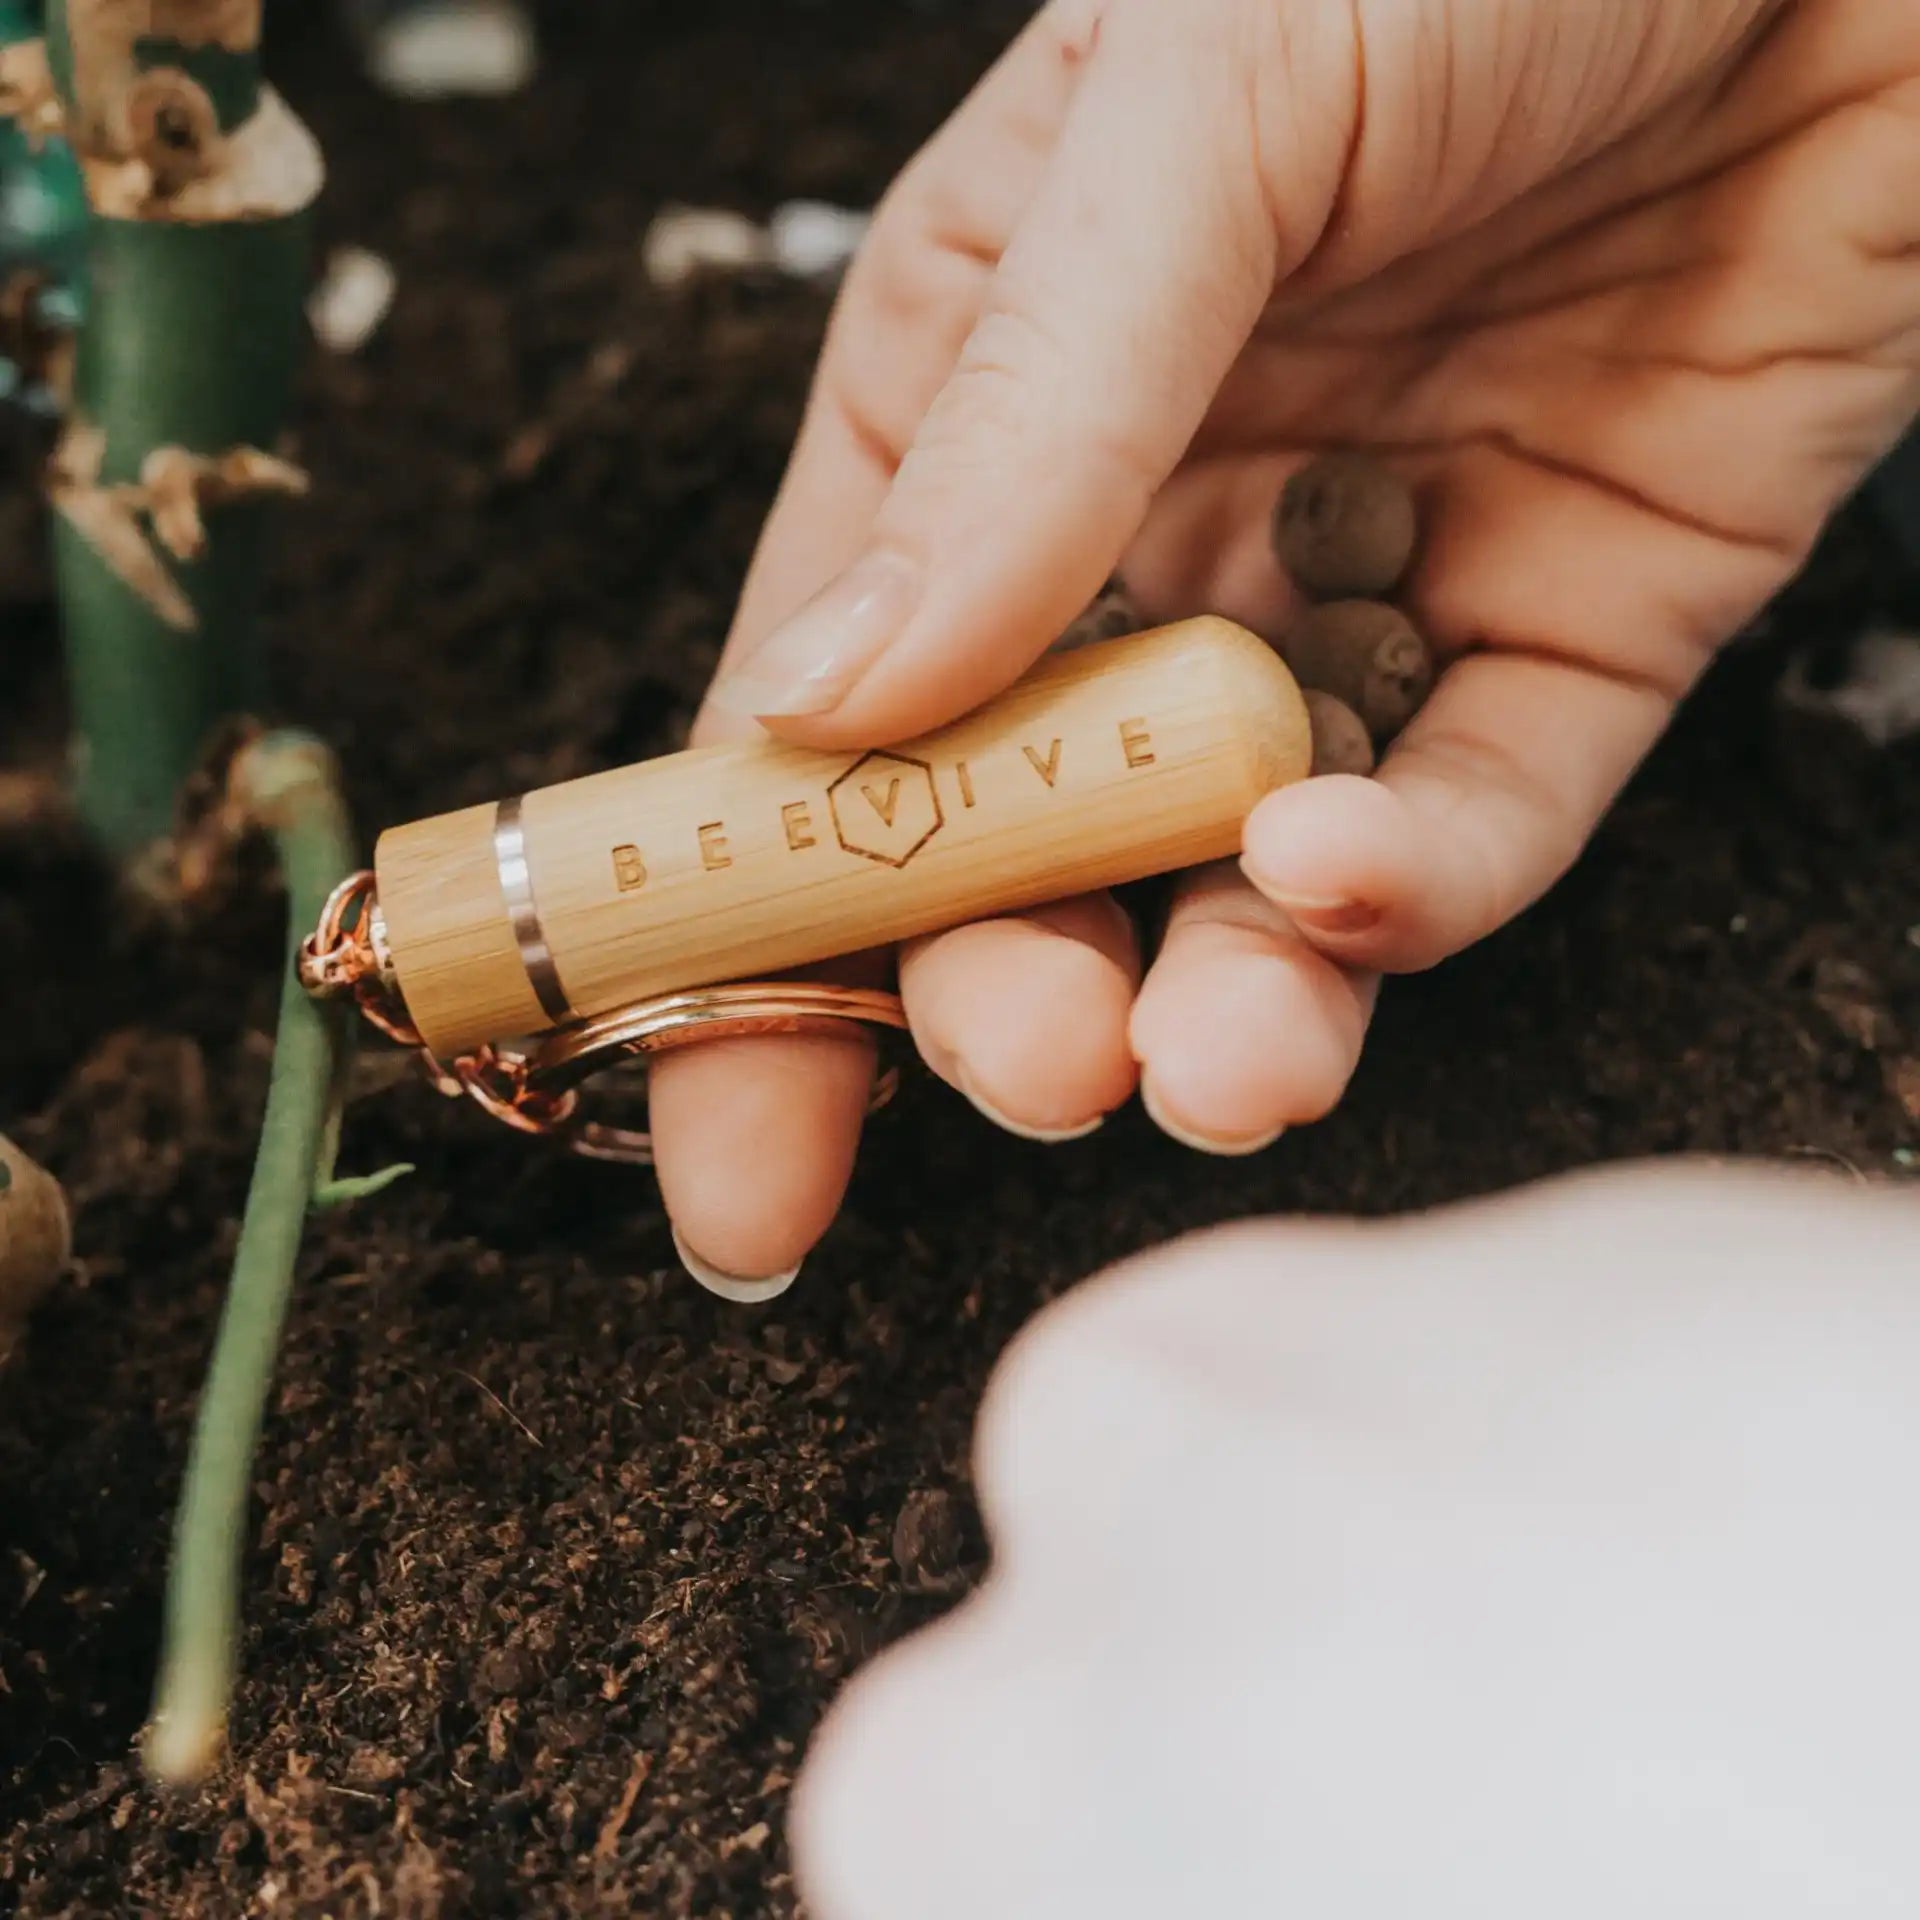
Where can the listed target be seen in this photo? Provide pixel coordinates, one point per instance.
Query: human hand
(1631, 293)
(1533, 1556)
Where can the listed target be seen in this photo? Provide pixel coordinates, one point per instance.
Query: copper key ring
(538, 1091)
(558, 1066)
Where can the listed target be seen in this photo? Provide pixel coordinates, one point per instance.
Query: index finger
(754, 1140)
(910, 300)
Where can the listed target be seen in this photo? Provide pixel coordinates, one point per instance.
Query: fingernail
(1046, 1136)
(810, 664)
(1317, 913)
(1200, 1142)
(732, 1286)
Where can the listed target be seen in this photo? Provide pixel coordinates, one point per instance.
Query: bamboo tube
(1106, 764)
(199, 182)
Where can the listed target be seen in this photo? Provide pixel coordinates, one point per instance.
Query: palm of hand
(1631, 399)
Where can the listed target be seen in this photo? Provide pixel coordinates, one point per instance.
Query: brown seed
(1110, 615)
(1345, 528)
(1341, 743)
(34, 1237)
(504, 1672)
(1369, 655)
(929, 1540)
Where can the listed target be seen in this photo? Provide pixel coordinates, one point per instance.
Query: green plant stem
(285, 783)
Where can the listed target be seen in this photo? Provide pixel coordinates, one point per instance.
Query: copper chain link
(540, 1093)
(338, 961)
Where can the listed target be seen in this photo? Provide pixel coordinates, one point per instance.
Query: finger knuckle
(1017, 388)
(986, 403)
(1497, 786)
(897, 279)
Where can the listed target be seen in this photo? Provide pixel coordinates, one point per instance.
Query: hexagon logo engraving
(885, 807)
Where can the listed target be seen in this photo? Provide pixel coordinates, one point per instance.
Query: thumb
(1128, 290)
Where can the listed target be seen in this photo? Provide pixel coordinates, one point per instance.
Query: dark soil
(557, 1561)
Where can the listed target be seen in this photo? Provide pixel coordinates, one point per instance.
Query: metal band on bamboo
(523, 911)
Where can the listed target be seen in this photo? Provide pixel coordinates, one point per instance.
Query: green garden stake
(199, 184)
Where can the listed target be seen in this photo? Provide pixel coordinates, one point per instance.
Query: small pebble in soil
(813, 240)
(1369, 655)
(504, 1672)
(806, 239)
(443, 49)
(928, 1538)
(685, 241)
(1341, 743)
(1345, 528)
(352, 298)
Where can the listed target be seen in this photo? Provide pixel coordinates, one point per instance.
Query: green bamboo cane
(200, 185)
(287, 785)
